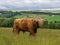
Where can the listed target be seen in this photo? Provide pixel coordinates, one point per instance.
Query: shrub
(7, 23)
(45, 24)
(54, 25)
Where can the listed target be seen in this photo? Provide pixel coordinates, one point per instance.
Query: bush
(54, 25)
(45, 24)
(51, 25)
(7, 23)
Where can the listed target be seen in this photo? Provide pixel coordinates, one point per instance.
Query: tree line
(49, 25)
(9, 14)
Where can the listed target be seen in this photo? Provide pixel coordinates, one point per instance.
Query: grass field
(49, 18)
(43, 37)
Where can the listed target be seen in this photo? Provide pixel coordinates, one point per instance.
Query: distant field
(58, 11)
(49, 18)
(53, 11)
(43, 37)
(29, 13)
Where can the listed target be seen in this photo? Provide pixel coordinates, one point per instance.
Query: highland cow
(25, 25)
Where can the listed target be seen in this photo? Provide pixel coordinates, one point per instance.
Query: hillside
(9, 14)
(7, 17)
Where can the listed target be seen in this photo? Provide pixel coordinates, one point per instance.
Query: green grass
(49, 18)
(43, 37)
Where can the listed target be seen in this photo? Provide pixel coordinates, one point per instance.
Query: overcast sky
(29, 4)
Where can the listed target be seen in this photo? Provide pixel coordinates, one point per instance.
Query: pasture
(43, 37)
(49, 18)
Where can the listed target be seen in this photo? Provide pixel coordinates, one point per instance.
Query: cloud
(29, 4)
(2, 7)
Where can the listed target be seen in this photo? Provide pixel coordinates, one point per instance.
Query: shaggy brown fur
(25, 25)
(40, 21)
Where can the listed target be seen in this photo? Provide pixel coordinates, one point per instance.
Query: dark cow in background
(25, 25)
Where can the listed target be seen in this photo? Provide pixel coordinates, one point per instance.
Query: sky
(29, 4)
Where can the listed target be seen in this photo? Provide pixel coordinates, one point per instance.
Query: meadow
(49, 18)
(43, 37)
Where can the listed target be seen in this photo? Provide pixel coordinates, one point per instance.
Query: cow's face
(41, 22)
(36, 23)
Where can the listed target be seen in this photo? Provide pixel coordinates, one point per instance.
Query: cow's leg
(32, 33)
(23, 32)
(35, 30)
(13, 29)
(16, 29)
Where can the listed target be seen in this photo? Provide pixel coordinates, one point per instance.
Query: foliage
(51, 25)
(7, 18)
(7, 22)
(8, 14)
(54, 25)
